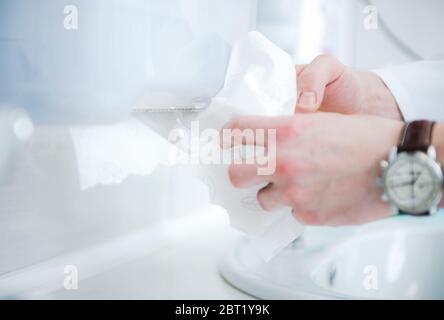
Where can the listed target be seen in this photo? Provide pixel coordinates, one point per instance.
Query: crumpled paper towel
(108, 154)
(260, 80)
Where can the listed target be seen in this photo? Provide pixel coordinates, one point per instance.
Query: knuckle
(328, 57)
(284, 167)
(294, 167)
(287, 131)
(295, 128)
(307, 78)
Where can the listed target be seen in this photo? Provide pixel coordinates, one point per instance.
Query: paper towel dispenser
(89, 61)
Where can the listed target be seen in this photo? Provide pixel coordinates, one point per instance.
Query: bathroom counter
(185, 268)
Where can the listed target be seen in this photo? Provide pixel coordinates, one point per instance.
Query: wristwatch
(412, 178)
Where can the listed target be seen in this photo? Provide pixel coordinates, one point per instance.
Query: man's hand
(438, 142)
(328, 85)
(326, 166)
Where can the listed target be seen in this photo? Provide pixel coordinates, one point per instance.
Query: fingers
(255, 122)
(250, 130)
(314, 78)
(300, 68)
(246, 175)
(270, 198)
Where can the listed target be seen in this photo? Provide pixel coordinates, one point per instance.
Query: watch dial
(412, 184)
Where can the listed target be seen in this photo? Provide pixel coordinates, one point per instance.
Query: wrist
(438, 141)
(392, 131)
(377, 99)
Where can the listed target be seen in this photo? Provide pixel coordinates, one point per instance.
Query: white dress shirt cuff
(401, 94)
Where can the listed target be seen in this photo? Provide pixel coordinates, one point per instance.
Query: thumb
(313, 79)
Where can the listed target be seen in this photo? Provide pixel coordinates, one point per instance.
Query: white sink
(398, 258)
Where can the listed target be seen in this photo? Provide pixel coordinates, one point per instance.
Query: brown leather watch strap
(416, 136)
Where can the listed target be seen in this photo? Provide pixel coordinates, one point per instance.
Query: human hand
(327, 166)
(328, 85)
(438, 142)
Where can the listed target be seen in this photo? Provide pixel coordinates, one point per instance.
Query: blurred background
(64, 193)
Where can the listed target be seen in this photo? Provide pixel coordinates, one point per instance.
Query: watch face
(413, 183)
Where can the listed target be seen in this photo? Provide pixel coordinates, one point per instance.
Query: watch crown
(431, 152)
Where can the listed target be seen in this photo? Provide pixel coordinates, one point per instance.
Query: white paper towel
(260, 80)
(108, 154)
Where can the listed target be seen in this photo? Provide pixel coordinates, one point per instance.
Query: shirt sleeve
(418, 89)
